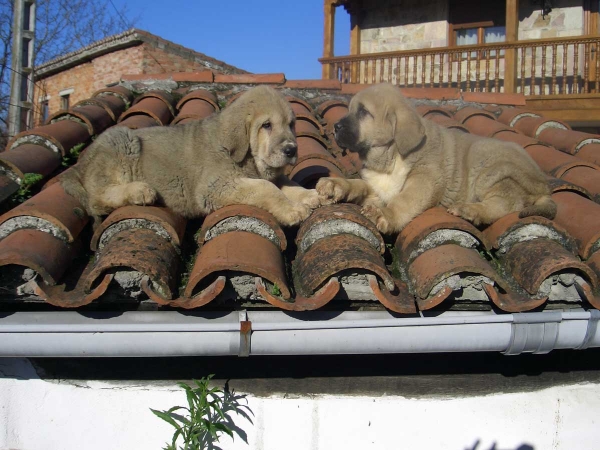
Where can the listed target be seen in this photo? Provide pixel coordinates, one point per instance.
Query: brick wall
(147, 57)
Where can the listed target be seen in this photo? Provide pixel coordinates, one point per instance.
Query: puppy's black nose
(290, 150)
(338, 126)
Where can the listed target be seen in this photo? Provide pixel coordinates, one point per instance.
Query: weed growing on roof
(275, 290)
(206, 417)
(72, 155)
(27, 188)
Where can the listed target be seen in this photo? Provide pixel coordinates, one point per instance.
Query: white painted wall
(91, 415)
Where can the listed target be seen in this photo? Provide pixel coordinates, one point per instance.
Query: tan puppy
(412, 164)
(237, 156)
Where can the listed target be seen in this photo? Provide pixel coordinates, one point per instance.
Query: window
(27, 16)
(45, 111)
(64, 101)
(474, 23)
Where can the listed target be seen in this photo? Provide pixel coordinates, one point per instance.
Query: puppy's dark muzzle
(290, 150)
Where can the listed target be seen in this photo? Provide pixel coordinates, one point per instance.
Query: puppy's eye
(267, 126)
(362, 112)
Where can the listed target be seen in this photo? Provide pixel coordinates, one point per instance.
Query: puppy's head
(379, 117)
(261, 122)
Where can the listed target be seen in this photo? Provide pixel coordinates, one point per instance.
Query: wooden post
(510, 56)
(328, 36)
(354, 42)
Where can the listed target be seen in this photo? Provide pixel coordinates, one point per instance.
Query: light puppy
(412, 164)
(234, 157)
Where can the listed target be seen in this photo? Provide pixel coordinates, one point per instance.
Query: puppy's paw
(332, 190)
(466, 211)
(139, 193)
(311, 199)
(294, 215)
(376, 215)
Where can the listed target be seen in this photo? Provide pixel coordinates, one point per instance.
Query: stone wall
(408, 25)
(565, 19)
(412, 24)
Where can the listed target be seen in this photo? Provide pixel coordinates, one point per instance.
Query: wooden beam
(328, 35)
(510, 57)
(354, 41)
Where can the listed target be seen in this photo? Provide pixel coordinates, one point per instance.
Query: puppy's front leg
(265, 195)
(418, 194)
(335, 190)
(297, 193)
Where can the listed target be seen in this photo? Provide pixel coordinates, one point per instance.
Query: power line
(119, 14)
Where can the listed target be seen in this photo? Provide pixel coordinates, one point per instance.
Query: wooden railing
(543, 67)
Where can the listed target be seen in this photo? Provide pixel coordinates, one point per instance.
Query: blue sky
(261, 36)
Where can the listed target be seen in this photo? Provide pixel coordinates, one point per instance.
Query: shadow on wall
(494, 447)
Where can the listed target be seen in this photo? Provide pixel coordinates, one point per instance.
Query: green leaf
(167, 418)
(223, 428)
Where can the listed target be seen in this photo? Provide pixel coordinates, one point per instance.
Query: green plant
(72, 155)
(206, 417)
(25, 191)
(275, 290)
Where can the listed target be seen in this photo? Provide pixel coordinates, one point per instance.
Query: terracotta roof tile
(337, 257)
(196, 105)
(30, 158)
(157, 104)
(299, 106)
(268, 78)
(59, 136)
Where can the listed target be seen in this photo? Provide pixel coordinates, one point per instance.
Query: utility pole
(20, 113)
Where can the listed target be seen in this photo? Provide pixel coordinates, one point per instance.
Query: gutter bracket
(245, 335)
(591, 329)
(533, 333)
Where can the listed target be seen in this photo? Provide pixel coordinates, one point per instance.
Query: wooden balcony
(537, 68)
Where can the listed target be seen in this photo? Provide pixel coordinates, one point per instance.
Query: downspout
(131, 334)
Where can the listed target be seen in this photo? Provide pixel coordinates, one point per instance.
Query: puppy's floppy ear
(234, 130)
(407, 125)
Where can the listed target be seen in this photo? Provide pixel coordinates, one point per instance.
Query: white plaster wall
(90, 415)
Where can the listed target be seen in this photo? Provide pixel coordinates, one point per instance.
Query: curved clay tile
(307, 123)
(427, 110)
(113, 105)
(468, 112)
(308, 172)
(52, 210)
(534, 263)
(95, 118)
(590, 152)
(435, 227)
(580, 217)
(162, 220)
(511, 116)
(337, 239)
(39, 251)
(586, 177)
(433, 274)
(533, 126)
(298, 105)
(137, 121)
(116, 91)
(568, 141)
(30, 158)
(447, 122)
(59, 136)
(331, 111)
(263, 223)
(485, 126)
(139, 250)
(153, 106)
(510, 230)
(196, 105)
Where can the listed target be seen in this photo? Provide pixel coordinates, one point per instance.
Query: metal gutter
(131, 334)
